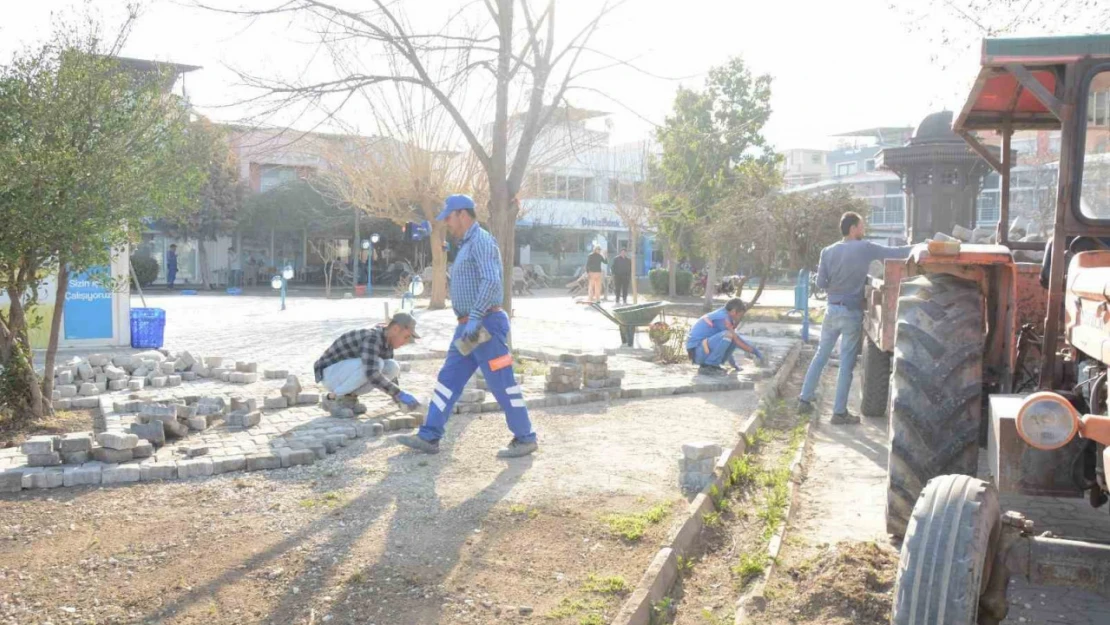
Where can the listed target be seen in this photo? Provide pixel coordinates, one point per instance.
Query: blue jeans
(720, 348)
(495, 360)
(846, 325)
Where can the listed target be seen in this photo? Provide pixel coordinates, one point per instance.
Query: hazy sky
(837, 66)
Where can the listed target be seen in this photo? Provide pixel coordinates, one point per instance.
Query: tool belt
(492, 309)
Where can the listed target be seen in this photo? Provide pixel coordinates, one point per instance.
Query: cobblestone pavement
(253, 327)
(844, 495)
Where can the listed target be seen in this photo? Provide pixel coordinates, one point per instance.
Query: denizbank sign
(569, 214)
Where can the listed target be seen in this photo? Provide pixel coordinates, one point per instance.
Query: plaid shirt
(369, 345)
(476, 274)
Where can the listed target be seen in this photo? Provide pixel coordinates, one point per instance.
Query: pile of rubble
(1020, 231)
(291, 394)
(696, 465)
(79, 381)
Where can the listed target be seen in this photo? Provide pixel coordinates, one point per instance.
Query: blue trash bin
(148, 326)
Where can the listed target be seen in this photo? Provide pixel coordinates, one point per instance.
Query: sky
(836, 66)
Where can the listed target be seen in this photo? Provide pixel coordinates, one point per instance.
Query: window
(846, 169)
(987, 207)
(887, 210)
(1098, 108)
(557, 187)
(815, 159)
(274, 176)
(925, 177)
(869, 164)
(1094, 193)
(950, 177)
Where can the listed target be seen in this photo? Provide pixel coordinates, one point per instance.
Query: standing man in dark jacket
(622, 275)
(171, 265)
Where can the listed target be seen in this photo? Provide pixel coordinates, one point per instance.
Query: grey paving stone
(144, 449)
(295, 457)
(196, 467)
(51, 477)
(226, 464)
(158, 381)
(85, 403)
(117, 440)
(263, 460)
(76, 457)
(67, 391)
(154, 432)
(121, 474)
(275, 403)
(85, 475)
(112, 456)
(44, 460)
(11, 481)
(162, 470)
(37, 445)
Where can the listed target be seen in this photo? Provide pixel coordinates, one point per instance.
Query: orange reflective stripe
(501, 362)
(705, 346)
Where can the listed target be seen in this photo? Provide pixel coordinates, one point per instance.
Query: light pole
(367, 244)
(279, 281)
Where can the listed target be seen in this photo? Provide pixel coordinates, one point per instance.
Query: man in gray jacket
(843, 274)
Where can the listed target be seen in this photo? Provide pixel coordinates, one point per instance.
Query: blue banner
(88, 307)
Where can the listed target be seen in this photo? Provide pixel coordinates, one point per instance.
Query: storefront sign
(601, 222)
(88, 307)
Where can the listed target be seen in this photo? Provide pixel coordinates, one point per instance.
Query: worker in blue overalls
(713, 339)
(476, 295)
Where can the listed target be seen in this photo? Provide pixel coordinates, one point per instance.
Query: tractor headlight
(1047, 421)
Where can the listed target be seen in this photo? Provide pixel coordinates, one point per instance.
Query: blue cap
(454, 203)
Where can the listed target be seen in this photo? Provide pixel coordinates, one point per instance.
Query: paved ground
(252, 327)
(844, 494)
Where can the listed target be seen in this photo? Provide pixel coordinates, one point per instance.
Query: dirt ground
(733, 543)
(374, 533)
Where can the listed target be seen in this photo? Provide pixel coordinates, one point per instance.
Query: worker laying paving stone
(361, 360)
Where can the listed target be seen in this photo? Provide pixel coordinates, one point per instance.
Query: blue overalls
(708, 342)
(476, 284)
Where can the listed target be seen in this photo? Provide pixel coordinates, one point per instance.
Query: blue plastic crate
(148, 326)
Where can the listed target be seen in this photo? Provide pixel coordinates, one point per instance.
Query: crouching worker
(713, 339)
(362, 360)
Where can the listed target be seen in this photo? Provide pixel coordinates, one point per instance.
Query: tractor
(965, 347)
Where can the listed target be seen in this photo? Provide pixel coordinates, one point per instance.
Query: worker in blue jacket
(713, 339)
(476, 294)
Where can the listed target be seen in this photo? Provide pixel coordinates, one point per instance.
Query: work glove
(473, 326)
(408, 400)
(758, 355)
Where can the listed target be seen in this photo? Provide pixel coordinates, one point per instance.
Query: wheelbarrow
(628, 318)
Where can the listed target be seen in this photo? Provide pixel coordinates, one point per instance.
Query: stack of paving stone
(597, 376)
(472, 397)
(117, 447)
(244, 413)
(565, 377)
(695, 467)
(292, 394)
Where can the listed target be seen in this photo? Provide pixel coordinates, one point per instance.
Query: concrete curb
(754, 601)
(663, 571)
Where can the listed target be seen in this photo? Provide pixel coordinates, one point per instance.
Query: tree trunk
(205, 277)
(635, 232)
(17, 359)
(758, 291)
(438, 299)
(668, 250)
(710, 281)
(55, 330)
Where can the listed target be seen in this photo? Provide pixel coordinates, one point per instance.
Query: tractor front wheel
(875, 384)
(948, 555)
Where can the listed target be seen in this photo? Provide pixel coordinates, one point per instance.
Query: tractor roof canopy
(1013, 69)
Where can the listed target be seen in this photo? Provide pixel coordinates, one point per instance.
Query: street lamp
(367, 245)
(279, 281)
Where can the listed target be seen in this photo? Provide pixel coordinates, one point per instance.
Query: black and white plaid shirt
(368, 344)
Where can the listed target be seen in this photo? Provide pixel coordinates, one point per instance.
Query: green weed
(609, 585)
(631, 527)
(749, 567)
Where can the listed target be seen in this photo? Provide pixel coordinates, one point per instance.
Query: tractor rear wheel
(948, 554)
(875, 385)
(936, 388)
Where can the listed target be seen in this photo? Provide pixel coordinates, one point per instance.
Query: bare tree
(508, 47)
(631, 204)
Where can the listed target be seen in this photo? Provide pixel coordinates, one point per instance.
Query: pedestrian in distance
(622, 275)
(842, 273)
(171, 265)
(481, 337)
(594, 274)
